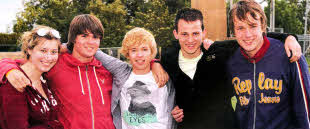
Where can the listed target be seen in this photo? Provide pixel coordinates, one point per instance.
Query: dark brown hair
(81, 24)
(189, 15)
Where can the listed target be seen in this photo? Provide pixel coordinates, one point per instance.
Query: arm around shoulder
(112, 64)
(6, 66)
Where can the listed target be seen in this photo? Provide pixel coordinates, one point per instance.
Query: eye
(240, 28)
(184, 34)
(97, 36)
(196, 33)
(253, 26)
(55, 52)
(84, 35)
(145, 49)
(43, 50)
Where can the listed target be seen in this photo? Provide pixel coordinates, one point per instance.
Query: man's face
(86, 46)
(190, 36)
(140, 57)
(249, 34)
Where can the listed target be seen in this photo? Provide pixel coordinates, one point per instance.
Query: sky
(9, 9)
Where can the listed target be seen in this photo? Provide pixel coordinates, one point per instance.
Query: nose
(139, 53)
(247, 33)
(92, 40)
(190, 38)
(49, 56)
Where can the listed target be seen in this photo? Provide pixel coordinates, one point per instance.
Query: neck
(31, 71)
(191, 55)
(141, 72)
(81, 58)
(251, 54)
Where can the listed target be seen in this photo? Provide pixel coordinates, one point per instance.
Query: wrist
(6, 75)
(154, 61)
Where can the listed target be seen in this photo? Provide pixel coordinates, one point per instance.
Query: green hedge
(10, 39)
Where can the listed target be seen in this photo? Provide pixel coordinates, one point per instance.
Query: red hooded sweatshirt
(84, 91)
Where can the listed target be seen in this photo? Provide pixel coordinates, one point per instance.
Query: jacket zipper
(254, 123)
(91, 102)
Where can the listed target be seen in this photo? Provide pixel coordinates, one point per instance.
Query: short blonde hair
(30, 39)
(138, 36)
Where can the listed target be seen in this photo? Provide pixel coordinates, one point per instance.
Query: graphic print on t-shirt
(140, 111)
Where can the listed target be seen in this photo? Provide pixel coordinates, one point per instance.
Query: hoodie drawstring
(98, 84)
(82, 87)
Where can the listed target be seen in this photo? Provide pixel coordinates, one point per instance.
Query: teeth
(140, 61)
(190, 45)
(45, 63)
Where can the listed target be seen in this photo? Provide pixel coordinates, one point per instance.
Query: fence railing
(304, 41)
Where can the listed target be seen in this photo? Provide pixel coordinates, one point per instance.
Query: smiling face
(249, 34)
(190, 35)
(44, 55)
(85, 46)
(140, 57)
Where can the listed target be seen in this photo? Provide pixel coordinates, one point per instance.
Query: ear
(175, 33)
(29, 52)
(204, 32)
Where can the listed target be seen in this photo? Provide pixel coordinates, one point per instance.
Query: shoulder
(276, 45)
(275, 41)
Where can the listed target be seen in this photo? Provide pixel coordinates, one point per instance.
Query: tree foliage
(113, 18)
(117, 17)
(54, 13)
(288, 15)
(158, 20)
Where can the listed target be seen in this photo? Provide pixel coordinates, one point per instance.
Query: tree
(158, 20)
(59, 13)
(113, 18)
(53, 13)
(175, 5)
(288, 15)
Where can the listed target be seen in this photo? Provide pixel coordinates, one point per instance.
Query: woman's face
(44, 55)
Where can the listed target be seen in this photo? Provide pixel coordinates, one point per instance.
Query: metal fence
(113, 51)
(304, 41)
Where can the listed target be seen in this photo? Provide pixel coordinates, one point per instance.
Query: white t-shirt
(189, 66)
(143, 104)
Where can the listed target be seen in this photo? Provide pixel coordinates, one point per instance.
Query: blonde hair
(30, 39)
(138, 36)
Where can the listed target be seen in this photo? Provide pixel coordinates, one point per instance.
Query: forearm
(112, 64)
(6, 65)
(280, 36)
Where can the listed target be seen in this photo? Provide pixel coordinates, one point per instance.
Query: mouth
(140, 62)
(45, 63)
(248, 42)
(190, 46)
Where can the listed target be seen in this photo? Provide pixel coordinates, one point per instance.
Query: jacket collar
(260, 54)
(72, 61)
